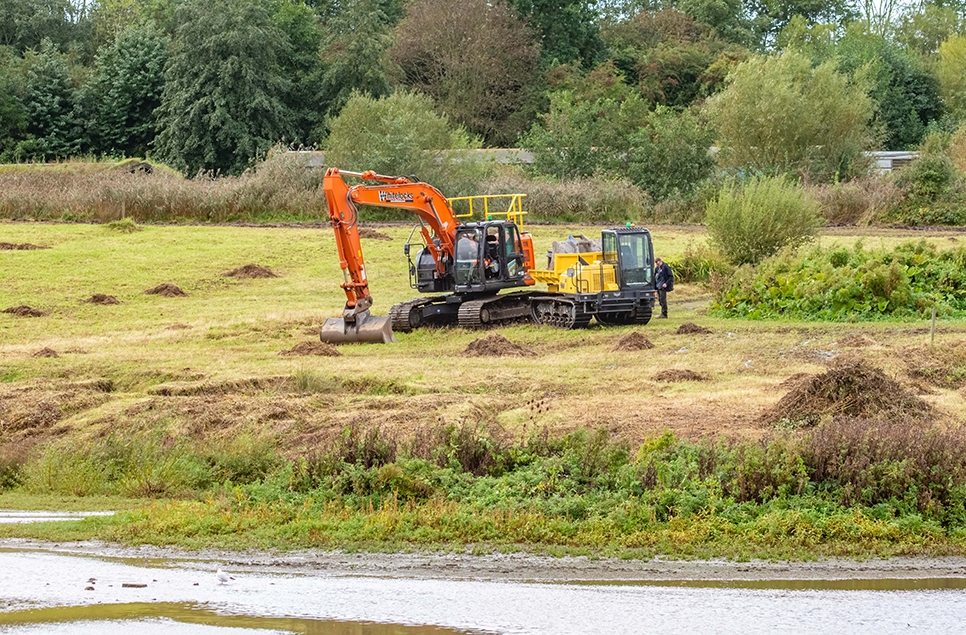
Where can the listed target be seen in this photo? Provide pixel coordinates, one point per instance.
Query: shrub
(750, 223)
(699, 264)
(849, 284)
(857, 202)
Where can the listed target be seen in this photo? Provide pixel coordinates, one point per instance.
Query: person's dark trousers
(662, 299)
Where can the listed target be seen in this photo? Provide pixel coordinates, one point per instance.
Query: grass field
(207, 366)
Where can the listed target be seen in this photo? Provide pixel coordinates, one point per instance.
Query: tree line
(635, 89)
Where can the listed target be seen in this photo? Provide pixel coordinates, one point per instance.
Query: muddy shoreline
(513, 567)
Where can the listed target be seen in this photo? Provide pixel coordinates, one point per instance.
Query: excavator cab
(489, 257)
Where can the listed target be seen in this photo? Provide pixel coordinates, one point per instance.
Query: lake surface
(46, 592)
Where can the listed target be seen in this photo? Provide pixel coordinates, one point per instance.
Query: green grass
(219, 384)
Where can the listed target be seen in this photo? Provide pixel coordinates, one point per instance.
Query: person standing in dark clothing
(664, 282)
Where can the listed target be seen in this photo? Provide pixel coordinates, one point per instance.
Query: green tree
(779, 115)
(925, 29)
(402, 134)
(906, 94)
(125, 92)
(670, 154)
(580, 137)
(25, 23)
(569, 30)
(53, 127)
(951, 70)
(224, 99)
(13, 113)
(352, 52)
(477, 71)
(301, 65)
(674, 59)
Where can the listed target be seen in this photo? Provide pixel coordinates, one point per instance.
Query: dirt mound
(856, 340)
(690, 328)
(24, 311)
(46, 352)
(313, 348)
(167, 290)
(178, 327)
(102, 298)
(634, 342)
(495, 345)
(675, 375)
(250, 271)
(21, 246)
(366, 232)
(853, 389)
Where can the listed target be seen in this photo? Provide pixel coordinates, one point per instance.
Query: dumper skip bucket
(366, 329)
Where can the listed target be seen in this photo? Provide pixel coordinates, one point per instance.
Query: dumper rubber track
(404, 319)
(560, 312)
(497, 310)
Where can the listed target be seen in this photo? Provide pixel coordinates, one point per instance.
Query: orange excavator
(467, 263)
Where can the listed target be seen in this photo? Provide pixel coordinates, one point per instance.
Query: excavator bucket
(366, 329)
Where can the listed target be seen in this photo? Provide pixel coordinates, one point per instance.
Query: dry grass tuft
(167, 290)
(250, 271)
(322, 349)
(102, 298)
(634, 342)
(495, 345)
(852, 389)
(690, 328)
(24, 311)
(178, 327)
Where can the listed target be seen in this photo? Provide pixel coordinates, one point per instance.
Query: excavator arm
(438, 226)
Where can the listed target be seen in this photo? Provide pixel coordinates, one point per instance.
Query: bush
(842, 284)
(699, 264)
(857, 202)
(752, 222)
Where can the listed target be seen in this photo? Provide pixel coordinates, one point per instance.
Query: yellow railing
(514, 211)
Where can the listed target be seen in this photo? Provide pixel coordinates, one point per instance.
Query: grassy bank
(793, 496)
(181, 411)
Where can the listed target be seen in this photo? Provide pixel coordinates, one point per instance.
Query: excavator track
(404, 319)
(493, 311)
(560, 312)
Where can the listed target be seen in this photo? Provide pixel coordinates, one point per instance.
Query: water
(12, 516)
(45, 592)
